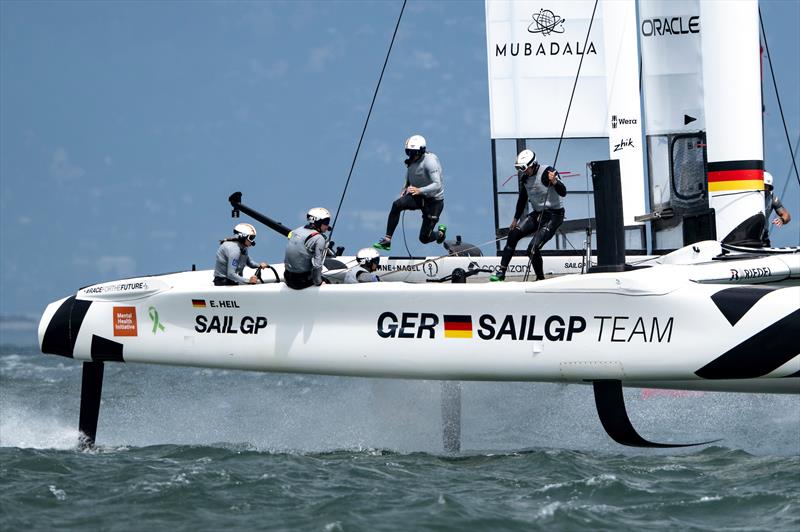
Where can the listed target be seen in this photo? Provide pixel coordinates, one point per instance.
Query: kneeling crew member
(544, 189)
(305, 251)
(232, 257)
(368, 260)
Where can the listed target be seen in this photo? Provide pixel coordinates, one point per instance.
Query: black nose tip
(62, 331)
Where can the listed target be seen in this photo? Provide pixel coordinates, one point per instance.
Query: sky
(125, 126)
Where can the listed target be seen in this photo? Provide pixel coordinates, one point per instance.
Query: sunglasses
(521, 167)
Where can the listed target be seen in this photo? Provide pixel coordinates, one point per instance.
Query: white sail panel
(672, 71)
(624, 110)
(732, 68)
(534, 49)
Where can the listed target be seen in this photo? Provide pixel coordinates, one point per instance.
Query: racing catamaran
(711, 315)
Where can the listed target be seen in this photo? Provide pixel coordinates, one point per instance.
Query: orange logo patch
(125, 321)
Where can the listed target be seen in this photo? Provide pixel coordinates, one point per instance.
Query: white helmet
(767, 179)
(245, 232)
(415, 144)
(367, 255)
(319, 215)
(525, 160)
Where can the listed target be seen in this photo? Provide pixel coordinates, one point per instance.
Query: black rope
(777, 95)
(404, 234)
(366, 122)
(574, 85)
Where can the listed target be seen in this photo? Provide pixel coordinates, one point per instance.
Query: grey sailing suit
(540, 196)
(304, 257)
(359, 274)
(426, 175)
(231, 260)
(546, 216)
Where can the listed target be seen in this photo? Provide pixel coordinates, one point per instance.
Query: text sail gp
(227, 325)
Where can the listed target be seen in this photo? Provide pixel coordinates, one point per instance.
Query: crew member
(364, 272)
(232, 257)
(773, 203)
(542, 187)
(423, 191)
(305, 251)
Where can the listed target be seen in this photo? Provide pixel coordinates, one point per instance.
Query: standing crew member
(423, 190)
(364, 272)
(305, 251)
(232, 257)
(544, 189)
(773, 203)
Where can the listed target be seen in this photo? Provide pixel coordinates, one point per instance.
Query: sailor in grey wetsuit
(543, 188)
(305, 251)
(773, 203)
(364, 272)
(232, 257)
(423, 190)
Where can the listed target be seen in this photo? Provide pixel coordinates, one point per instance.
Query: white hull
(652, 327)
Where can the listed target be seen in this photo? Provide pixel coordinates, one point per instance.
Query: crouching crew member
(544, 189)
(232, 257)
(305, 251)
(423, 191)
(368, 261)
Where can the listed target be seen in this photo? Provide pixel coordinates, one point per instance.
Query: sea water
(189, 449)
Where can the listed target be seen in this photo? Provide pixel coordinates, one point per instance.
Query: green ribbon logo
(153, 313)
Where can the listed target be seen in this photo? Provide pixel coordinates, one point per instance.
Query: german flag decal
(457, 326)
(735, 175)
(199, 303)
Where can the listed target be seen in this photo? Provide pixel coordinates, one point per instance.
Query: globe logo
(546, 22)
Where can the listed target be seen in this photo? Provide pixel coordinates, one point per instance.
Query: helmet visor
(521, 167)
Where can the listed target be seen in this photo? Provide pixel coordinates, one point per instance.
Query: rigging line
(575, 85)
(564, 127)
(366, 122)
(777, 95)
(794, 154)
(404, 234)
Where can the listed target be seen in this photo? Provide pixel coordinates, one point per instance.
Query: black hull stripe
(735, 302)
(105, 350)
(760, 354)
(62, 331)
(725, 166)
